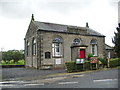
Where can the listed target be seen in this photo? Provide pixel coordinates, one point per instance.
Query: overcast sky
(15, 16)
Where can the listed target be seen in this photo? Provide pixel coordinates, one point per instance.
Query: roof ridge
(63, 27)
(60, 24)
(51, 23)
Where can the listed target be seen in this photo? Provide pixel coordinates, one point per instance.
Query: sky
(15, 16)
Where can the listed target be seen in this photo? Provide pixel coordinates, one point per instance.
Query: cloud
(15, 17)
(24, 8)
(15, 9)
(62, 6)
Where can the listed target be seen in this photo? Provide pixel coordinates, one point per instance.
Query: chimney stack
(32, 17)
(87, 24)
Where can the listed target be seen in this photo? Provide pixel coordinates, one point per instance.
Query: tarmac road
(95, 79)
(26, 73)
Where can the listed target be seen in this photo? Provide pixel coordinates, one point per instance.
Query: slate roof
(46, 26)
(107, 47)
(50, 26)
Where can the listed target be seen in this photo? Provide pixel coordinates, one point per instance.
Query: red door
(82, 53)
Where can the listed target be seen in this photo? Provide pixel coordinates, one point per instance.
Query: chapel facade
(50, 44)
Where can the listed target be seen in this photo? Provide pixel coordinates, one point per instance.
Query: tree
(13, 55)
(116, 41)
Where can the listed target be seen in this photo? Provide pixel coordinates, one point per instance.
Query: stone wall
(67, 43)
(44, 41)
(30, 60)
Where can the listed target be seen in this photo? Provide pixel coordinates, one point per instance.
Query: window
(47, 55)
(27, 48)
(57, 47)
(76, 41)
(34, 46)
(94, 47)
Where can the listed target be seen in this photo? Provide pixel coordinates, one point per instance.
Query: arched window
(34, 46)
(93, 44)
(57, 47)
(76, 41)
(27, 50)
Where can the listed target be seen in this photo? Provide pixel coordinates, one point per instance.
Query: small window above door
(76, 41)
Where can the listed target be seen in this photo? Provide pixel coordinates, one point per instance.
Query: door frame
(81, 49)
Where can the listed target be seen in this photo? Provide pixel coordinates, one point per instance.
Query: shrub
(79, 67)
(22, 62)
(11, 61)
(87, 65)
(3, 62)
(89, 56)
(102, 61)
(71, 66)
(7, 62)
(114, 62)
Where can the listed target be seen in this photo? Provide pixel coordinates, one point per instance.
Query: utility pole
(1, 54)
(1, 66)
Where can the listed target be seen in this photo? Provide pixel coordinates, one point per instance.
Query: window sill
(57, 56)
(33, 55)
(95, 56)
(47, 58)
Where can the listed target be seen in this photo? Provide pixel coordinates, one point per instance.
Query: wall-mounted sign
(93, 60)
(80, 61)
(58, 61)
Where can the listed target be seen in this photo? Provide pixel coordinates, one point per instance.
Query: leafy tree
(116, 41)
(13, 55)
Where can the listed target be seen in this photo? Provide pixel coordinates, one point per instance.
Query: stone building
(110, 53)
(50, 44)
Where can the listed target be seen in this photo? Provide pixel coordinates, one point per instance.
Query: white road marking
(33, 84)
(7, 85)
(18, 83)
(11, 82)
(78, 75)
(56, 78)
(67, 82)
(102, 80)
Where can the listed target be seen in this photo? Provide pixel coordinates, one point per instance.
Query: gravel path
(12, 73)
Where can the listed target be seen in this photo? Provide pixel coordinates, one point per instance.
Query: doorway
(82, 53)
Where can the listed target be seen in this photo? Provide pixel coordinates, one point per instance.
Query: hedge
(12, 62)
(73, 67)
(114, 62)
(87, 65)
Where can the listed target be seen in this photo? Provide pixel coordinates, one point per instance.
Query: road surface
(95, 79)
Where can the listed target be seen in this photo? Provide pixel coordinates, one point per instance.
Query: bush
(7, 62)
(73, 67)
(21, 62)
(102, 61)
(89, 56)
(114, 62)
(11, 61)
(3, 62)
(87, 65)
